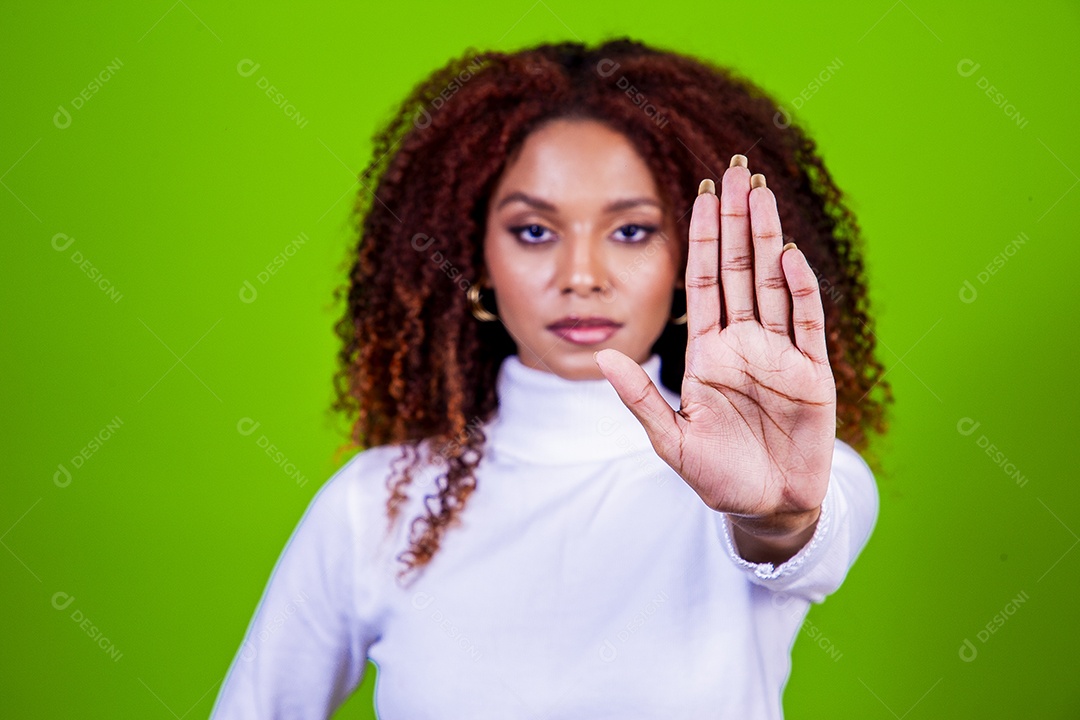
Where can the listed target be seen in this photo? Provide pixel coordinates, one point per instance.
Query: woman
(627, 419)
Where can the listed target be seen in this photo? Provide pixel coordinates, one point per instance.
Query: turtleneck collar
(546, 419)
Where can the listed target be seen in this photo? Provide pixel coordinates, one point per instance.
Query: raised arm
(755, 436)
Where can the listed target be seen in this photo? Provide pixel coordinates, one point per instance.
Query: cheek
(518, 281)
(516, 296)
(654, 284)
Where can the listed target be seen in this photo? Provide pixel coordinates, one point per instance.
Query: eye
(534, 234)
(638, 233)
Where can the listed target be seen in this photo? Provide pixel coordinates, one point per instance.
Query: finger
(774, 306)
(736, 276)
(808, 315)
(702, 283)
(637, 391)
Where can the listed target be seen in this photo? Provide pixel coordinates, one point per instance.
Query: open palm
(756, 429)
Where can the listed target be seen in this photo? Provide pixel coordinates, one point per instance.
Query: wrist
(777, 526)
(773, 538)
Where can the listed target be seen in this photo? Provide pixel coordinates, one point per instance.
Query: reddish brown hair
(416, 366)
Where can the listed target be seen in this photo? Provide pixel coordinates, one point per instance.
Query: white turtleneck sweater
(586, 580)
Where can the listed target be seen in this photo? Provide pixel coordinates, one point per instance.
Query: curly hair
(416, 367)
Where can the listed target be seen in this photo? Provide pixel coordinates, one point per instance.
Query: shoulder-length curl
(415, 365)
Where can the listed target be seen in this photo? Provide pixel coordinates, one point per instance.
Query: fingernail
(789, 245)
(757, 180)
(738, 160)
(706, 186)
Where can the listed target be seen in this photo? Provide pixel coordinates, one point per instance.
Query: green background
(179, 180)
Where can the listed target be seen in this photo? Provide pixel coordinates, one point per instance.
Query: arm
(758, 388)
(847, 517)
(305, 649)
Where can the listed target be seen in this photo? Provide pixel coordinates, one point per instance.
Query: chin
(590, 373)
(580, 367)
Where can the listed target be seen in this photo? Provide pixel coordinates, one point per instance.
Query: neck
(549, 420)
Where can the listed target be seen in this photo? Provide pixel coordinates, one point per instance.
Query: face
(579, 250)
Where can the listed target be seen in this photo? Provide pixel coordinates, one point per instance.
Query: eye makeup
(644, 230)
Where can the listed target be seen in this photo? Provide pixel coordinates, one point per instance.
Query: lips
(584, 330)
(573, 321)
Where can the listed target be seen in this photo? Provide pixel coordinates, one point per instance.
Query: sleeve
(305, 649)
(848, 516)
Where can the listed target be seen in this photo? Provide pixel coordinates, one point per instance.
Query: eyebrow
(611, 207)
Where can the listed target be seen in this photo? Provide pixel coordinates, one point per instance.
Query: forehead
(578, 163)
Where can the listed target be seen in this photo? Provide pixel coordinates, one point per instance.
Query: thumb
(640, 395)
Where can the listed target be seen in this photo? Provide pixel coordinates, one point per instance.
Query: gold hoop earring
(679, 320)
(478, 310)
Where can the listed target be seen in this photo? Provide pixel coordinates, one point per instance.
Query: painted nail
(757, 180)
(706, 186)
(738, 160)
(789, 245)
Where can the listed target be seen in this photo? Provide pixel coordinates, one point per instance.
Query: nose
(583, 266)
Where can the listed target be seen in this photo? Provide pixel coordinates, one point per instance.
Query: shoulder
(360, 480)
(371, 468)
(356, 495)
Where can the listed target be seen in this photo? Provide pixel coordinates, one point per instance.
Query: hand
(754, 436)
